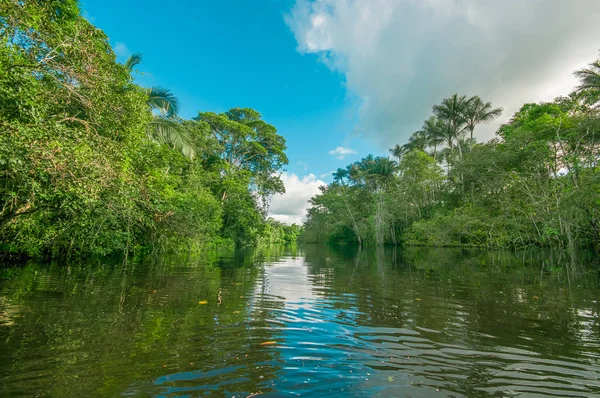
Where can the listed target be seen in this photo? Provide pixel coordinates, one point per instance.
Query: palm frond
(163, 100)
(397, 151)
(452, 111)
(169, 132)
(488, 113)
(589, 77)
(134, 60)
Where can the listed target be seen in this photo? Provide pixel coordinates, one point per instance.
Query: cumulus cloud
(291, 207)
(400, 57)
(341, 152)
(121, 50)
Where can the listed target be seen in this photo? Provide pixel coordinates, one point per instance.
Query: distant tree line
(537, 183)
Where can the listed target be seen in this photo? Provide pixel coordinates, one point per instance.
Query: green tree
(164, 128)
(589, 77)
(478, 112)
(452, 111)
(248, 157)
(436, 133)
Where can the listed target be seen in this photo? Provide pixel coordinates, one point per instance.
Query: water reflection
(316, 322)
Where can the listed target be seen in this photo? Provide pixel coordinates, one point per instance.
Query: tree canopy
(91, 163)
(537, 183)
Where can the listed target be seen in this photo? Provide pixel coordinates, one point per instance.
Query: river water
(308, 321)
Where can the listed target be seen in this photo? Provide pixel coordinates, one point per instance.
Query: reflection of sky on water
(316, 342)
(391, 335)
(289, 281)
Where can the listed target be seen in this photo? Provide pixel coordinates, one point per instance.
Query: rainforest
(150, 250)
(94, 164)
(537, 183)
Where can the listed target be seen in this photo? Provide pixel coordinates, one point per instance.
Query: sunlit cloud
(400, 57)
(341, 152)
(291, 207)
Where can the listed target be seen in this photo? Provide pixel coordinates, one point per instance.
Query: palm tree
(478, 112)
(382, 169)
(436, 133)
(382, 172)
(589, 77)
(164, 128)
(133, 60)
(340, 176)
(398, 151)
(418, 140)
(452, 111)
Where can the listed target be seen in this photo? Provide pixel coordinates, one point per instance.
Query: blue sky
(357, 75)
(215, 55)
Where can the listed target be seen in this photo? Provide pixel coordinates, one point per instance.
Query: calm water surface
(311, 321)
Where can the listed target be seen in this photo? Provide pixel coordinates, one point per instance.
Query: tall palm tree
(164, 127)
(380, 171)
(452, 111)
(478, 112)
(398, 151)
(436, 133)
(340, 176)
(418, 140)
(589, 77)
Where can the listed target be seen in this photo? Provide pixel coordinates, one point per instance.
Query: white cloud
(325, 175)
(291, 207)
(121, 50)
(341, 152)
(400, 57)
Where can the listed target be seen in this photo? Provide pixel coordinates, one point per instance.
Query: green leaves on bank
(93, 164)
(537, 183)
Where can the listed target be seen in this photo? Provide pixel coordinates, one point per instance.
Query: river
(307, 321)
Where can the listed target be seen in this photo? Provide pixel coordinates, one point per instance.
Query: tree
(535, 184)
(397, 151)
(478, 112)
(436, 133)
(452, 111)
(248, 157)
(589, 77)
(164, 128)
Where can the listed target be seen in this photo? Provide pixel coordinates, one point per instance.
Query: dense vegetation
(91, 163)
(537, 183)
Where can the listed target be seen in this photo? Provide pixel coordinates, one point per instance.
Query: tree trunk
(354, 225)
(379, 230)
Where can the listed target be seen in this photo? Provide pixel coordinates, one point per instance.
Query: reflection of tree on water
(540, 300)
(113, 326)
(103, 330)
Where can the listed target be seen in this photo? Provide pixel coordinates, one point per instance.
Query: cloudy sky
(342, 78)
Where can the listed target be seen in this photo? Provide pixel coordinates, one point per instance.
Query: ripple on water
(297, 327)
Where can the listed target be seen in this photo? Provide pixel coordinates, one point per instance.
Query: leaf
(268, 343)
(203, 302)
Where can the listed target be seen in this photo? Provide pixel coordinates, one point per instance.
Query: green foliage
(535, 184)
(92, 164)
(275, 232)
(246, 156)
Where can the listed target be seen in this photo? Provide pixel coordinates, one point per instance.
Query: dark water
(394, 322)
